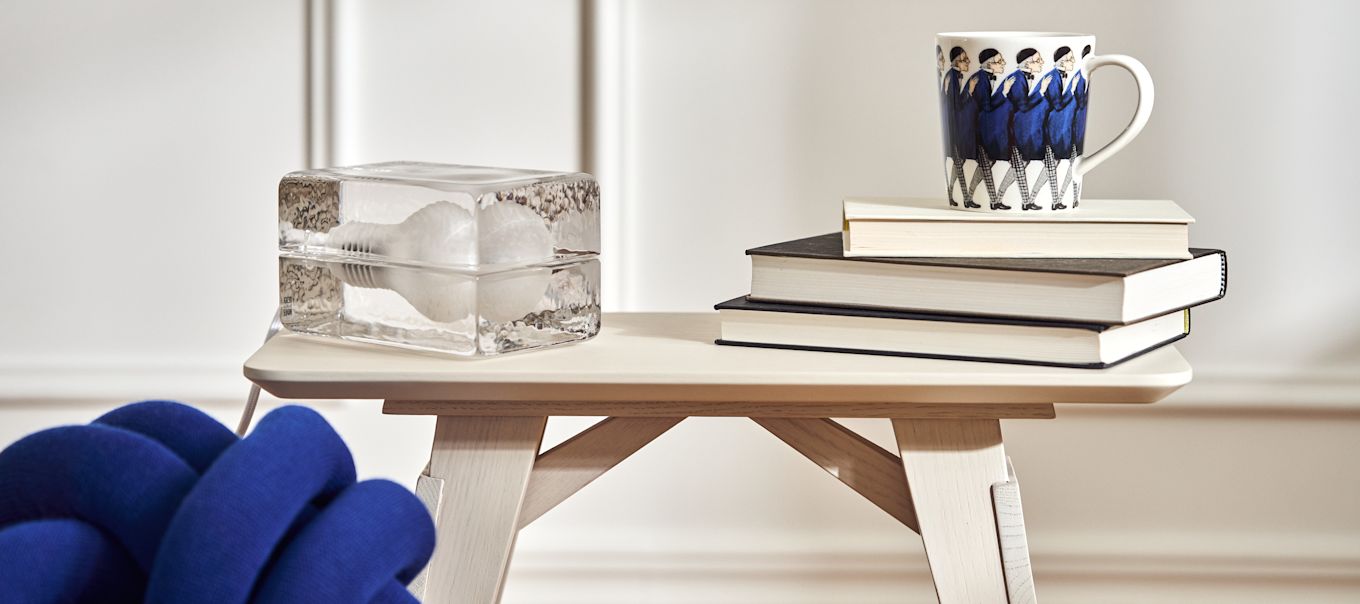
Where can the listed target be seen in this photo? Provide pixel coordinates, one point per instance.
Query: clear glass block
(456, 259)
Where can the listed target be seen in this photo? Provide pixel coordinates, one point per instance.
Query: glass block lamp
(463, 260)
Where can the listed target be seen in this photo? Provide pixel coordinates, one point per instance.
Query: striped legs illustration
(1071, 167)
(1050, 177)
(1017, 173)
(985, 164)
(962, 177)
(949, 184)
(959, 178)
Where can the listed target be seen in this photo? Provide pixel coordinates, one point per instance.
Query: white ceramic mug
(1013, 115)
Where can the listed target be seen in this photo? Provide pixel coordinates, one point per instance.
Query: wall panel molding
(606, 110)
(320, 94)
(726, 576)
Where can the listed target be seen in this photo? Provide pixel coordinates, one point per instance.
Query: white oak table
(648, 371)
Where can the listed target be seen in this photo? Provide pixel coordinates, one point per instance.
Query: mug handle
(1140, 113)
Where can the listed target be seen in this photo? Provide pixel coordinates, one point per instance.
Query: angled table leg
(486, 480)
(482, 465)
(1010, 528)
(951, 465)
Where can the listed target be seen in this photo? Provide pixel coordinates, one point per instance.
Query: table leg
(1010, 528)
(951, 465)
(483, 465)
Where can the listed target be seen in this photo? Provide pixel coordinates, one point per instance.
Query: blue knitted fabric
(158, 502)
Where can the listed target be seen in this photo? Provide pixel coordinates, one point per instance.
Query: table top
(660, 357)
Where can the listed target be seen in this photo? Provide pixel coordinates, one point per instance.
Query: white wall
(753, 119)
(137, 147)
(140, 146)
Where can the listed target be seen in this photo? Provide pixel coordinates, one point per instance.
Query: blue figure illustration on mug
(1061, 109)
(1025, 130)
(1013, 108)
(1080, 88)
(1030, 115)
(960, 128)
(994, 116)
(942, 66)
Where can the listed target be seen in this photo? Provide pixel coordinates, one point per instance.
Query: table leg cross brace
(860, 464)
(879, 476)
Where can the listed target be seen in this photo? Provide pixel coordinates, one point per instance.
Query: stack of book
(911, 277)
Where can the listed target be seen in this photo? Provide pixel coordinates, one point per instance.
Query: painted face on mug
(940, 63)
(1034, 64)
(962, 63)
(996, 65)
(1067, 63)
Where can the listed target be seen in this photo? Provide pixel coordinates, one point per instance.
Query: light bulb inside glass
(445, 234)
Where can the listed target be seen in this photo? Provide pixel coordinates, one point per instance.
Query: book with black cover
(814, 270)
(747, 322)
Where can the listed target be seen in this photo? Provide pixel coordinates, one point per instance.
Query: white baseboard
(102, 380)
(1112, 567)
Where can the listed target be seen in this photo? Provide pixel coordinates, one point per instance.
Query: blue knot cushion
(158, 502)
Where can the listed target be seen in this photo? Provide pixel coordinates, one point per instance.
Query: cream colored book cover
(1092, 210)
(1102, 228)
